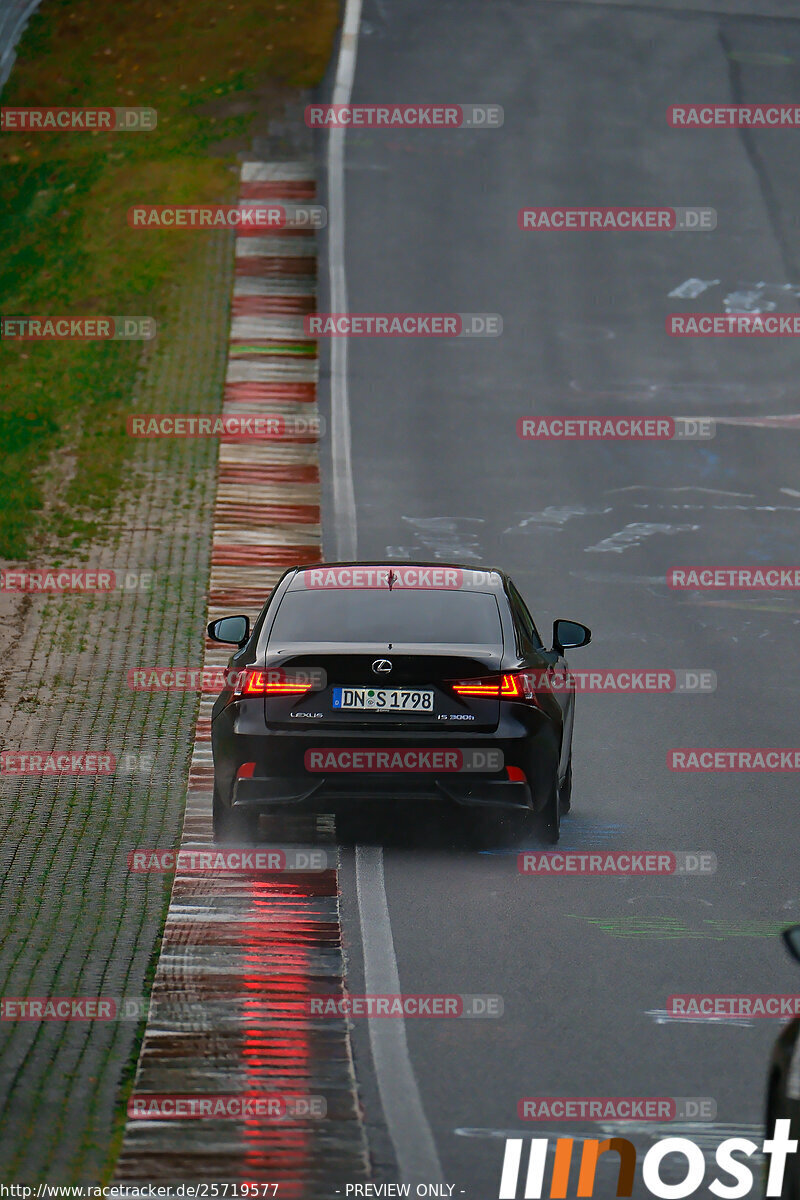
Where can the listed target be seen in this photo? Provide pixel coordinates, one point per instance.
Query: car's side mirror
(568, 635)
(232, 631)
(791, 940)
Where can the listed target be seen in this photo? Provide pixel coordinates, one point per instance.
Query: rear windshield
(380, 615)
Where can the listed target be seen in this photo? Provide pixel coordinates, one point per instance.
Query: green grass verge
(210, 70)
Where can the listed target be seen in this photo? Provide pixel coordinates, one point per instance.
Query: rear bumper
(264, 792)
(277, 771)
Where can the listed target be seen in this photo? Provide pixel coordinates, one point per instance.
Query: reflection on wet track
(242, 953)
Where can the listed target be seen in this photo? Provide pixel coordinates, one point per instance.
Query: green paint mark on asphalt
(670, 928)
(760, 58)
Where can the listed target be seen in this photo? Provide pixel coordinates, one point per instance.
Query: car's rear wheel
(565, 791)
(550, 815)
(543, 777)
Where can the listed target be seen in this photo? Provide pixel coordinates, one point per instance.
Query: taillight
(477, 687)
(271, 683)
(515, 686)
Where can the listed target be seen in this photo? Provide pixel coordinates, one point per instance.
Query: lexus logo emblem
(381, 666)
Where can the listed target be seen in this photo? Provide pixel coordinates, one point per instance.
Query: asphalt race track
(588, 530)
(13, 16)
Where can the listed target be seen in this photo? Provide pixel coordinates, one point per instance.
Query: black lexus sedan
(783, 1086)
(415, 681)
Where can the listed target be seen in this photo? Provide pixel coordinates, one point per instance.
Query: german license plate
(383, 699)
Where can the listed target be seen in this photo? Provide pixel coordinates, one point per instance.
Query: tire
(550, 815)
(565, 792)
(232, 824)
(522, 824)
(544, 784)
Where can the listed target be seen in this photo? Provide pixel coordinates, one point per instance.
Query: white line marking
(662, 1017)
(691, 288)
(645, 487)
(634, 533)
(557, 516)
(778, 421)
(750, 298)
(344, 502)
(417, 1159)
